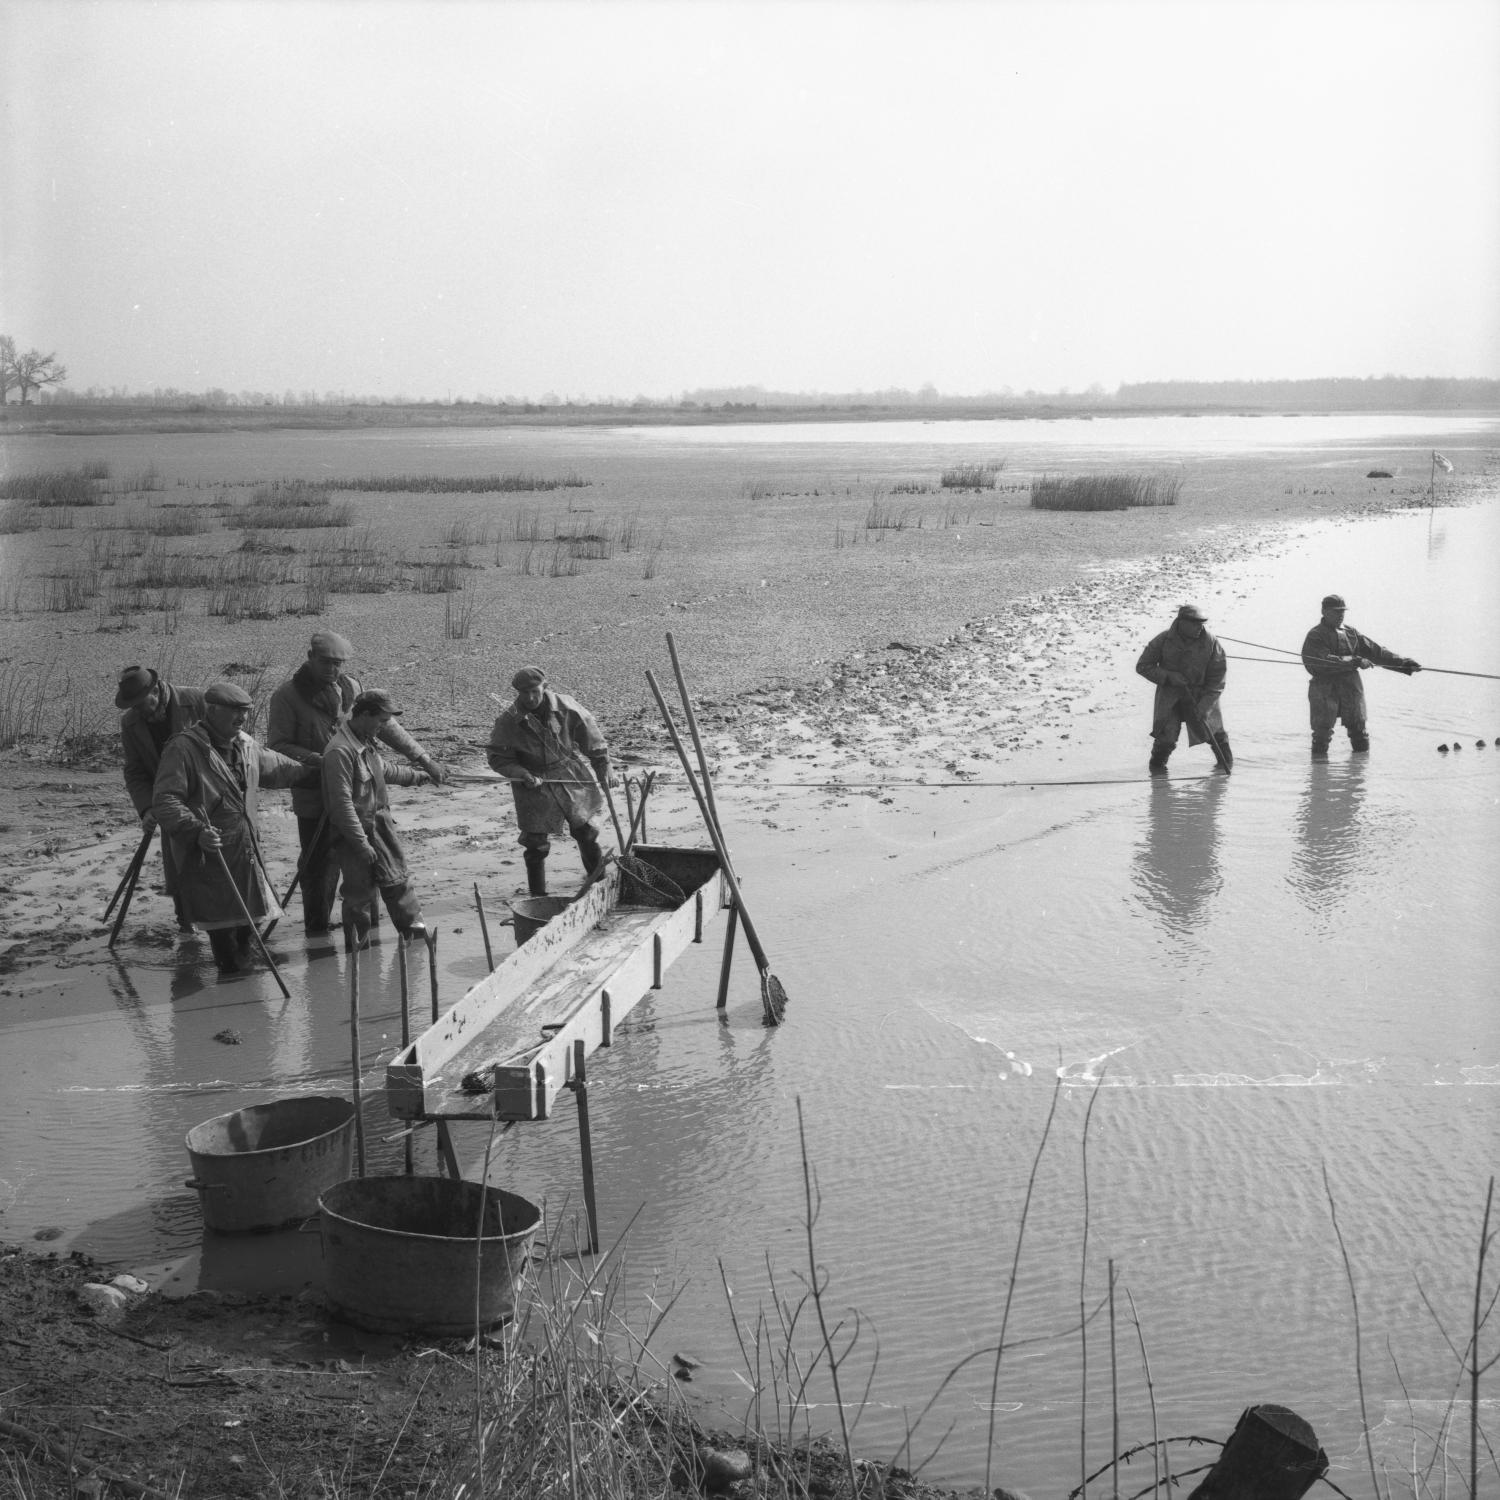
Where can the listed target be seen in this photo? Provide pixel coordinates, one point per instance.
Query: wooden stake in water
(432, 968)
(409, 1161)
(586, 1144)
(359, 1120)
(484, 930)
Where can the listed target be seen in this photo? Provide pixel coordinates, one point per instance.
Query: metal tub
(262, 1168)
(530, 914)
(399, 1253)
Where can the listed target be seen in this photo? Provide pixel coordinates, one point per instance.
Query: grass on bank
(1115, 491)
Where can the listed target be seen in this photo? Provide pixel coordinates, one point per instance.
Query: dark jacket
(1335, 691)
(1200, 659)
(184, 707)
(562, 743)
(304, 715)
(354, 792)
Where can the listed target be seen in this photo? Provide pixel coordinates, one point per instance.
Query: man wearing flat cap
(1335, 654)
(1187, 665)
(369, 854)
(152, 711)
(552, 751)
(305, 711)
(206, 794)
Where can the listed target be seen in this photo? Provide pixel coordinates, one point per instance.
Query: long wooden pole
(732, 926)
(132, 870)
(432, 968)
(133, 875)
(251, 923)
(359, 1118)
(772, 1017)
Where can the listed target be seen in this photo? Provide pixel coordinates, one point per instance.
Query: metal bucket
(399, 1253)
(532, 913)
(262, 1168)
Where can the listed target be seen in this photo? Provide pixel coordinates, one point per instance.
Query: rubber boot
(1359, 742)
(1320, 745)
(589, 851)
(536, 873)
(226, 950)
(1225, 750)
(1160, 754)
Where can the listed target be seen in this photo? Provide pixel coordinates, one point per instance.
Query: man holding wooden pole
(552, 751)
(1188, 667)
(369, 853)
(205, 800)
(152, 711)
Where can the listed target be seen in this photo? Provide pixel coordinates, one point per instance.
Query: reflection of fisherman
(1332, 838)
(369, 853)
(1334, 655)
(1177, 864)
(205, 800)
(305, 711)
(1187, 665)
(153, 711)
(553, 751)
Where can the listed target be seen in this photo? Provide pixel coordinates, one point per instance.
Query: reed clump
(1110, 491)
(80, 486)
(972, 476)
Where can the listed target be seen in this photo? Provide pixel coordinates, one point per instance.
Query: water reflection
(1176, 866)
(1330, 834)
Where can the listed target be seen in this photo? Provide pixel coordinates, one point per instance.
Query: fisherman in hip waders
(369, 854)
(1187, 665)
(552, 751)
(1334, 655)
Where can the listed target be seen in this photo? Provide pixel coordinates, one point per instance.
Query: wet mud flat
(944, 947)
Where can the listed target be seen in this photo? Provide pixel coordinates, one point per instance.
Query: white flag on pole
(1441, 462)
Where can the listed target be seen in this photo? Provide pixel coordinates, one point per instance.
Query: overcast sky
(619, 199)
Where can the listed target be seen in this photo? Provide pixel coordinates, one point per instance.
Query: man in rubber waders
(305, 711)
(152, 711)
(552, 751)
(1335, 654)
(1187, 665)
(205, 799)
(369, 853)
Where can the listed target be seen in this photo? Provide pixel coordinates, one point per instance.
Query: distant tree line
(1374, 393)
(27, 373)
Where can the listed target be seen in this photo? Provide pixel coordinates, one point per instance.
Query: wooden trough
(515, 1035)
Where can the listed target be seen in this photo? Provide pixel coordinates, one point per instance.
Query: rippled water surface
(1248, 981)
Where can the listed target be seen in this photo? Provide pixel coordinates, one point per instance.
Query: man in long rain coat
(1334, 655)
(152, 711)
(551, 749)
(206, 795)
(305, 711)
(370, 856)
(1188, 667)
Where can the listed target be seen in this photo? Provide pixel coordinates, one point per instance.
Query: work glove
(1409, 666)
(209, 840)
(1363, 663)
(148, 821)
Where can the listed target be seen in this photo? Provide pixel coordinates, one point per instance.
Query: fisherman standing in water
(1187, 665)
(1334, 655)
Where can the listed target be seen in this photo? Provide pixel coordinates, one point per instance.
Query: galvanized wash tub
(532, 913)
(262, 1168)
(399, 1253)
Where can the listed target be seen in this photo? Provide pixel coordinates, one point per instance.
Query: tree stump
(1272, 1454)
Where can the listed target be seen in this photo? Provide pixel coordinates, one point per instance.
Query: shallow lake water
(1247, 981)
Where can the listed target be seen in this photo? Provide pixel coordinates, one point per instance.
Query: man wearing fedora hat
(552, 751)
(1334, 655)
(305, 711)
(152, 711)
(1188, 667)
(206, 799)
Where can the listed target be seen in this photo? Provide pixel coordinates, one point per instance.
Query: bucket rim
(346, 1105)
(413, 1234)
